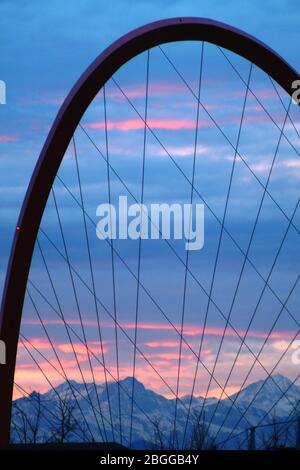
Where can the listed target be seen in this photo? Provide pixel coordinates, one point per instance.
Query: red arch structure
(70, 113)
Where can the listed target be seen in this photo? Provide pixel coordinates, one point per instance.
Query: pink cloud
(38, 343)
(57, 322)
(8, 138)
(170, 356)
(189, 329)
(157, 89)
(136, 124)
(162, 344)
(29, 376)
(195, 330)
(177, 124)
(169, 344)
(79, 348)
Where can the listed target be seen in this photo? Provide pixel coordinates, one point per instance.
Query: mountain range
(80, 412)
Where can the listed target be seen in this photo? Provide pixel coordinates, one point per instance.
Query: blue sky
(45, 48)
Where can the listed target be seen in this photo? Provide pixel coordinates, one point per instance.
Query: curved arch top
(70, 113)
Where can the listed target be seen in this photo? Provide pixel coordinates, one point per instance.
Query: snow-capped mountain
(262, 392)
(81, 412)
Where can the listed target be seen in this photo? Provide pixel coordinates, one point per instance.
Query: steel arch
(69, 115)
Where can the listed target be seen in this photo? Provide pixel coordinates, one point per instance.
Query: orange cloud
(80, 348)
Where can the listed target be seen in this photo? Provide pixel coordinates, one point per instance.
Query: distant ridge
(151, 407)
